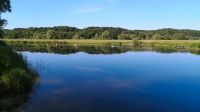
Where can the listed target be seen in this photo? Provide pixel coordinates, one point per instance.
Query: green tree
(96, 36)
(124, 36)
(66, 32)
(76, 36)
(179, 36)
(4, 7)
(105, 35)
(156, 36)
(51, 34)
(36, 35)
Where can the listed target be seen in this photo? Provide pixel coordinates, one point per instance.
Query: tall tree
(4, 7)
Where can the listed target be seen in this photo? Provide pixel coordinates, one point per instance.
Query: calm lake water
(96, 79)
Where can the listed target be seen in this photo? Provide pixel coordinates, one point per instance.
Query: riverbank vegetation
(100, 33)
(179, 44)
(17, 79)
(15, 74)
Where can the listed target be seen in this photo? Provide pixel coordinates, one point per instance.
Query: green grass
(71, 41)
(99, 41)
(17, 80)
(15, 74)
(192, 44)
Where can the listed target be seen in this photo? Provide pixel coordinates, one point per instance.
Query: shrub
(17, 81)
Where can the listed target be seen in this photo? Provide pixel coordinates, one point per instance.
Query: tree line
(66, 32)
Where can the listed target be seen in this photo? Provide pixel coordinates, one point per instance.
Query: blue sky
(131, 14)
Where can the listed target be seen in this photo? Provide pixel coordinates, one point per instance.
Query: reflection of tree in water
(196, 51)
(96, 49)
(17, 80)
(70, 49)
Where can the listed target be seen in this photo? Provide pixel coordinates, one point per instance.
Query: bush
(136, 42)
(195, 45)
(17, 81)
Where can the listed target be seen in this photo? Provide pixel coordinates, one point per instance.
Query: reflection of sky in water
(142, 81)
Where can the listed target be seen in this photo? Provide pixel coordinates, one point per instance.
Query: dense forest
(66, 32)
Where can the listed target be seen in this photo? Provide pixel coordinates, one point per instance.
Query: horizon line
(100, 27)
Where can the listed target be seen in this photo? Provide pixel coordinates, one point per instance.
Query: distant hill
(66, 32)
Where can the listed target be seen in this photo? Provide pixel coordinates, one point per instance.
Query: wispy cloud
(95, 7)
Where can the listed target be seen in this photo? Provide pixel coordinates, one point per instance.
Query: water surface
(113, 80)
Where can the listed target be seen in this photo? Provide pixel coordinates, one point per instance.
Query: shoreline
(99, 41)
(179, 44)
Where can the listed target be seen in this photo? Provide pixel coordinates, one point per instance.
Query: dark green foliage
(17, 81)
(15, 75)
(106, 33)
(195, 45)
(136, 42)
(4, 7)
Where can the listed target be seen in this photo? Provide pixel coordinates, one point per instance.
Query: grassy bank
(15, 74)
(17, 79)
(59, 41)
(187, 44)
